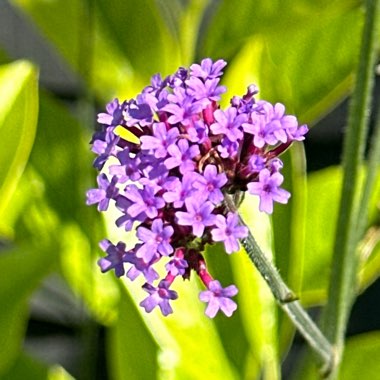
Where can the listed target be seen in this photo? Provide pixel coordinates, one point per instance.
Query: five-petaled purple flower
(169, 184)
(219, 299)
(268, 190)
(210, 183)
(156, 240)
(159, 296)
(198, 215)
(116, 258)
(229, 231)
(106, 191)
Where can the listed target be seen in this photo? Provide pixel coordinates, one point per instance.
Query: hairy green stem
(345, 261)
(285, 297)
(371, 174)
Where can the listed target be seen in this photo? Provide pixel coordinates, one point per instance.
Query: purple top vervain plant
(171, 185)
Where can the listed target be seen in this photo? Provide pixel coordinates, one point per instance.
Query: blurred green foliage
(300, 53)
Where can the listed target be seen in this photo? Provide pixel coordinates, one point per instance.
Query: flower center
(198, 218)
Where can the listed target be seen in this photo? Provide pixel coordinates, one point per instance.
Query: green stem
(285, 297)
(372, 173)
(344, 264)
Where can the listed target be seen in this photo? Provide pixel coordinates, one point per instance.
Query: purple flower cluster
(169, 187)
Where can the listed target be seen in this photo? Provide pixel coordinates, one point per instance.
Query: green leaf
(25, 262)
(323, 201)
(361, 357)
(62, 158)
(59, 148)
(13, 322)
(187, 333)
(232, 332)
(267, 18)
(63, 32)
(26, 367)
(18, 120)
(284, 48)
(144, 38)
(114, 47)
(131, 350)
(99, 291)
(185, 19)
(24, 268)
(322, 210)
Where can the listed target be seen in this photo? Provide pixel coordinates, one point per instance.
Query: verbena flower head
(170, 186)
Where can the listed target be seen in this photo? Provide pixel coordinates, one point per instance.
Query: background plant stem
(345, 262)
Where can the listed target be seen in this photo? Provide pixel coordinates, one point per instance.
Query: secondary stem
(286, 298)
(345, 261)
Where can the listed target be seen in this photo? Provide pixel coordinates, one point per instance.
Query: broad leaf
(301, 60)
(361, 357)
(25, 262)
(26, 367)
(323, 201)
(150, 47)
(63, 32)
(187, 333)
(99, 292)
(61, 157)
(130, 343)
(13, 321)
(18, 120)
(255, 297)
(115, 47)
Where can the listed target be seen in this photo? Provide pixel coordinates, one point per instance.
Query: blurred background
(300, 53)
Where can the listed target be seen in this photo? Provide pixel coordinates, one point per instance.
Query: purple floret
(228, 123)
(115, 259)
(208, 68)
(205, 90)
(114, 115)
(143, 201)
(159, 296)
(198, 215)
(219, 299)
(104, 144)
(268, 190)
(182, 155)
(107, 190)
(140, 267)
(178, 191)
(229, 231)
(210, 183)
(161, 139)
(177, 266)
(128, 168)
(182, 107)
(156, 239)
